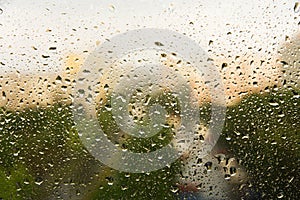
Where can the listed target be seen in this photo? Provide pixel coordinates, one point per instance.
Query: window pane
(149, 99)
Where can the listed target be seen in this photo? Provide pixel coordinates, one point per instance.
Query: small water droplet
(297, 7)
(245, 137)
(159, 44)
(38, 181)
(174, 190)
(123, 187)
(280, 196)
(232, 171)
(112, 8)
(1, 11)
(26, 182)
(108, 108)
(224, 65)
(110, 180)
(228, 138)
(273, 142)
(81, 91)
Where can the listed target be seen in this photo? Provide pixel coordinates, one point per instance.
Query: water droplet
(110, 180)
(232, 171)
(26, 182)
(275, 104)
(108, 108)
(45, 56)
(273, 142)
(158, 44)
(174, 189)
(112, 8)
(110, 183)
(208, 165)
(297, 7)
(291, 179)
(81, 91)
(227, 176)
(221, 157)
(38, 181)
(124, 187)
(1, 11)
(280, 196)
(245, 137)
(224, 65)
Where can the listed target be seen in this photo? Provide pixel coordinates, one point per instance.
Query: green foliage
(264, 133)
(142, 145)
(46, 142)
(153, 185)
(43, 144)
(158, 184)
(15, 183)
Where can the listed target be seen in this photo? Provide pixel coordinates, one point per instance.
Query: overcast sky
(77, 25)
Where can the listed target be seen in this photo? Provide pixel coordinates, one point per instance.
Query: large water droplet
(275, 104)
(297, 7)
(208, 165)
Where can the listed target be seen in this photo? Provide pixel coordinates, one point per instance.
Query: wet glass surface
(149, 99)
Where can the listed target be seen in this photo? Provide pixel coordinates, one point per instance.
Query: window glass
(149, 99)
